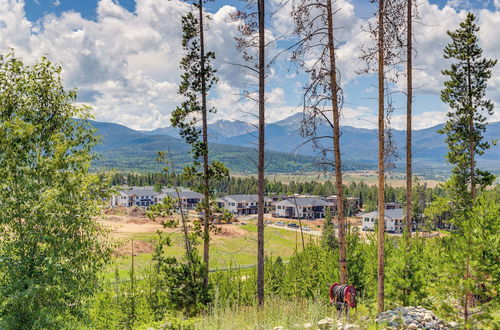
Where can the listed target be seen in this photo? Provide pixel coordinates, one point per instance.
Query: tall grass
(288, 313)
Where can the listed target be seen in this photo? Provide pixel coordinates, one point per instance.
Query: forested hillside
(124, 149)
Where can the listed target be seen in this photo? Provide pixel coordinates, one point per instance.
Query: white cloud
(127, 64)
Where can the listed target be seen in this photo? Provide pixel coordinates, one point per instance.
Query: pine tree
(328, 238)
(196, 81)
(465, 93)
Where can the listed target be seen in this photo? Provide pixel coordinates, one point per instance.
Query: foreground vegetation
(236, 250)
(420, 274)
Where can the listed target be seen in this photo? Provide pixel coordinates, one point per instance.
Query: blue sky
(123, 57)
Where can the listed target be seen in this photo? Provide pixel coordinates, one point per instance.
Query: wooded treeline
(367, 194)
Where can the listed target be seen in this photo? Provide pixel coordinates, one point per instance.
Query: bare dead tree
(253, 45)
(409, 102)
(261, 178)
(411, 14)
(315, 53)
(384, 59)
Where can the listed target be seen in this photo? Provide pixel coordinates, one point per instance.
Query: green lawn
(224, 251)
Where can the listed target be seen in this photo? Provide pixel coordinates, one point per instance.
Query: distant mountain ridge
(288, 151)
(125, 149)
(357, 144)
(217, 131)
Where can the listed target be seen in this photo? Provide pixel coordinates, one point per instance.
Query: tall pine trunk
(261, 161)
(409, 104)
(206, 188)
(381, 159)
(472, 164)
(472, 147)
(336, 146)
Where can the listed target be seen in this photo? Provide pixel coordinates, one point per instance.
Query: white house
(243, 204)
(189, 199)
(121, 199)
(394, 220)
(302, 207)
(146, 196)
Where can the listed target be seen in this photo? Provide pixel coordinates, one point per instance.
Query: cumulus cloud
(126, 65)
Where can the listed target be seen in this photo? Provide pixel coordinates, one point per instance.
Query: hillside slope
(125, 149)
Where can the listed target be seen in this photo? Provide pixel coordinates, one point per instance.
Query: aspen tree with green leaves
(51, 248)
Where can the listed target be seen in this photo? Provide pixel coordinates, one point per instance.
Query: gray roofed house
(302, 208)
(146, 196)
(243, 204)
(188, 198)
(394, 220)
(136, 196)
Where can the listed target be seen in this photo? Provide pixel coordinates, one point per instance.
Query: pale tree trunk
(336, 147)
(381, 159)
(206, 190)
(261, 161)
(409, 104)
(472, 164)
(472, 146)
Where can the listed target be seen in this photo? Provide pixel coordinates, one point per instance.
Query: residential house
(135, 196)
(147, 196)
(392, 205)
(302, 208)
(394, 221)
(243, 204)
(352, 204)
(188, 199)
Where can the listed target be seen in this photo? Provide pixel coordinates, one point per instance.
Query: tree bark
(261, 161)
(381, 159)
(471, 134)
(409, 104)
(206, 189)
(467, 297)
(336, 146)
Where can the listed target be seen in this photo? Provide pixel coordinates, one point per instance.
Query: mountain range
(234, 143)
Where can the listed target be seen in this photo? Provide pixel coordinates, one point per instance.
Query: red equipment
(343, 296)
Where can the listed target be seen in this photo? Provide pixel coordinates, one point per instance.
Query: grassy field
(289, 314)
(225, 251)
(369, 177)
